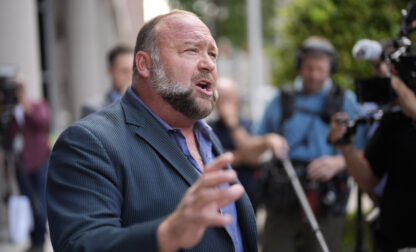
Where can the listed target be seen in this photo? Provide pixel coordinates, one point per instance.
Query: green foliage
(348, 242)
(227, 18)
(343, 22)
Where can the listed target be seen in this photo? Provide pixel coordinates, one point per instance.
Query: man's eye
(192, 50)
(213, 55)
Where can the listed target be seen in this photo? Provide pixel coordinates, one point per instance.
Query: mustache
(204, 76)
(208, 77)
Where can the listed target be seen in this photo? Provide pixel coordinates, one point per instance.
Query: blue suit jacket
(113, 178)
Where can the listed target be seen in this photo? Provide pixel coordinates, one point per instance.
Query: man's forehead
(184, 27)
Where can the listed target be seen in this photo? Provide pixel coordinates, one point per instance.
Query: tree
(227, 18)
(343, 22)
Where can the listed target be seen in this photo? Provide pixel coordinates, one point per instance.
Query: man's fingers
(278, 144)
(215, 179)
(320, 174)
(215, 219)
(233, 193)
(340, 118)
(338, 127)
(220, 200)
(219, 163)
(313, 172)
(317, 164)
(221, 197)
(340, 115)
(318, 169)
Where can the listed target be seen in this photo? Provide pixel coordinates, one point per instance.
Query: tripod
(294, 180)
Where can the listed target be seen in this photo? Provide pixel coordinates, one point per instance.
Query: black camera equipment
(401, 57)
(375, 89)
(8, 100)
(404, 57)
(371, 117)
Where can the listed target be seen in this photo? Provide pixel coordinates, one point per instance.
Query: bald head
(227, 91)
(148, 39)
(175, 65)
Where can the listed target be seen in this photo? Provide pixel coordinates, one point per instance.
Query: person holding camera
(28, 132)
(301, 114)
(390, 151)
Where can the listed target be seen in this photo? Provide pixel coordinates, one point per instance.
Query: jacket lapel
(152, 132)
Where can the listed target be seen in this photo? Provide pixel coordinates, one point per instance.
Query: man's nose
(207, 63)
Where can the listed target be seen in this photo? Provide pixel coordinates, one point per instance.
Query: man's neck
(313, 90)
(172, 117)
(162, 109)
(192, 144)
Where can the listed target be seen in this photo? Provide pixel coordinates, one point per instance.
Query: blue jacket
(115, 176)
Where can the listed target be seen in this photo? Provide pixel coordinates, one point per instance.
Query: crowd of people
(143, 170)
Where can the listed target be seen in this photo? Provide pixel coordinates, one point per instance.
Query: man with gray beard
(146, 173)
(177, 95)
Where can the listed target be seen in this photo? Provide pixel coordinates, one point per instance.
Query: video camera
(8, 99)
(401, 58)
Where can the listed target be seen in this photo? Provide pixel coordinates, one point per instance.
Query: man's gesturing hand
(200, 206)
(324, 168)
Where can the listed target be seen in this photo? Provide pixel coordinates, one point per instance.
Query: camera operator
(373, 52)
(28, 132)
(301, 114)
(390, 151)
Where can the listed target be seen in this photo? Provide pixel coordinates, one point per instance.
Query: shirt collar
(114, 95)
(137, 98)
(204, 128)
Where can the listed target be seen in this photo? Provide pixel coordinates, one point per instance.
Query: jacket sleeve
(39, 116)
(84, 199)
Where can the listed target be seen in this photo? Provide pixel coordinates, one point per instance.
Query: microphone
(366, 49)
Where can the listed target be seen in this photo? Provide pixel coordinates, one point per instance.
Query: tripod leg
(304, 202)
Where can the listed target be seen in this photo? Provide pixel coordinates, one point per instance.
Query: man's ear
(143, 64)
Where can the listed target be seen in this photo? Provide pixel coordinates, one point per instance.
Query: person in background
(234, 134)
(301, 114)
(28, 131)
(374, 52)
(120, 69)
(146, 173)
(390, 151)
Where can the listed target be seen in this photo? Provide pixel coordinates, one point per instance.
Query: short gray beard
(178, 95)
